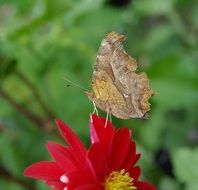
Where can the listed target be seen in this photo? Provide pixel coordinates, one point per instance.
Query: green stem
(4, 174)
(35, 93)
(27, 113)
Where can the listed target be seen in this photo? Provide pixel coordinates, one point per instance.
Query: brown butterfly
(116, 87)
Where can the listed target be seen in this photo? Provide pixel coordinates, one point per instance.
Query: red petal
(90, 187)
(71, 138)
(61, 156)
(56, 184)
(131, 157)
(131, 161)
(101, 132)
(141, 185)
(80, 177)
(135, 172)
(119, 148)
(44, 170)
(98, 159)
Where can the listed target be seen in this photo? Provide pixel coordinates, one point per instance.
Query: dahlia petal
(71, 154)
(131, 157)
(141, 185)
(60, 154)
(77, 160)
(119, 148)
(80, 177)
(135, 172)
(90, 187)
(56, 184)
(71, 138)
(93, 134)
(97, 156)
(44, 170)
(131, 161)
(132, 148)
(100, 130)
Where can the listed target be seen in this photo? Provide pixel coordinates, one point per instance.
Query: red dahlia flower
(108, 164)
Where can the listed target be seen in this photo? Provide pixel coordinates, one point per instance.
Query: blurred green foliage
(44, 41)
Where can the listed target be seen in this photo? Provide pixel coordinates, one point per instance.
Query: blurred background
(42, 42)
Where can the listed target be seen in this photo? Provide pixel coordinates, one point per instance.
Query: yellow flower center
(119, 180)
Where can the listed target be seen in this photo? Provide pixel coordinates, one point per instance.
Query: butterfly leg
(95, 108)
(108, 116)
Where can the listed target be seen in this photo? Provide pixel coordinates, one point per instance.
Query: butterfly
(117, 88)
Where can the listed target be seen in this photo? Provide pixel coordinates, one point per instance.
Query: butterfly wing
(116, 86)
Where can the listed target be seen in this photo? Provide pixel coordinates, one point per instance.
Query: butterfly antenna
(74, 83)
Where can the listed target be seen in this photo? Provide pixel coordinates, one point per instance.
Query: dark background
(44, 41)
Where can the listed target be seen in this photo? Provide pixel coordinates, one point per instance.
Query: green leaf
(192, 185)
(157, 36)
(185, 161)
(40, 185)
(9, 185)
(153, 7)
(169, 183)
(8, 156)
(151, 134)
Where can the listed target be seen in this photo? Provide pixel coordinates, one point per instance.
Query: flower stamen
(119, 180)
